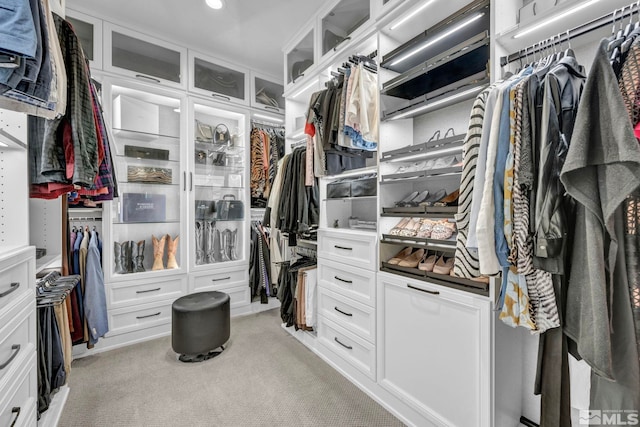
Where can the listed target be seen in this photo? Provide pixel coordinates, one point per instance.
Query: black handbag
(221, 134)
(229, 208)
(205, 210)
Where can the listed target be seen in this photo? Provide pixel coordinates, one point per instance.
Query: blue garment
(76, 253)
(18, 35)
(502, 249)
(95, 300)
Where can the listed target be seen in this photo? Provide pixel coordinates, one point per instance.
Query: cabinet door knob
(423, 290)
(13, 287)
(16, 350)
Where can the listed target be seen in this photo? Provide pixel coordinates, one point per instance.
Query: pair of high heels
(408, 257)
(437, 265)
(413, 199)
(441, 198)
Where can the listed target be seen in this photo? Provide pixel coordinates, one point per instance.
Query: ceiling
(248, 32)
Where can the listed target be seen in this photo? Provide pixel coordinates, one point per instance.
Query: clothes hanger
(569, 51)
(635, 31)
(618, 38)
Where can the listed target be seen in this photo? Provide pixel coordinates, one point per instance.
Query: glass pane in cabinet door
(146, 151)
(145, 58)
(269, 93)
(218, 79)
(300, 58)
(344, 19)
(219, 187)
(84, 31)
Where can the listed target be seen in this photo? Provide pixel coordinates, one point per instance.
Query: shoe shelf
(143, 136)
(345, 199)
(421, 174)
(421, 242)
(420, 211)
(476, 287)
(425, 150)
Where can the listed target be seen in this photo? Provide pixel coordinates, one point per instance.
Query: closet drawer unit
(220, 279)
(239, 296)
(123, 320)
(18, 334)
(353, 249)
(355, 350)
(19, 397)
(357, 318)
(139, 292)
(17, 272)
(354, 283)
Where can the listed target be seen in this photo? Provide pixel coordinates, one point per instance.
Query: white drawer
(124, 320)
(21, 393)
(238, 296)
(354, 249)
(354, 283)
(143, 291)
(356, 351)
(357, 318)
(18, 335)
(221, 279)
(17, 275)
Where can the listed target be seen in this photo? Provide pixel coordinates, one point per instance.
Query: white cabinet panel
(352, 282)
(358, 352)
(221, 279)
(15, 277)
(17, 334)
(17, 398)
(131, 293)
(124, 320)
(352, 248)
(358, 318)
(435, 350)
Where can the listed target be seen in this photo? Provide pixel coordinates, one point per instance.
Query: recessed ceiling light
(215, 4)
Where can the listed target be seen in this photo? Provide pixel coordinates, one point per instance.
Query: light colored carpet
(265, 377)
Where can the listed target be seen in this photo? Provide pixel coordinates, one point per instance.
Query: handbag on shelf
(221, 134)
(229, 208)
(205, 210)
(204, 132)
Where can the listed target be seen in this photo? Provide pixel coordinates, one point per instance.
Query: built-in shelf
(354, 172)
(48, 261)
(420, 210)
(420, 242)
(134, 134)
(418, 215)
(176, 221)
(345, 199)
(422, 174)
(430, 149)
(476, 287)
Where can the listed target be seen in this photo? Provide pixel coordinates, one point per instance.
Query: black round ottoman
(200, 323)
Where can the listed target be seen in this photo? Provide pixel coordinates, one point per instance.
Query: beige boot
(158, 252)
(172, 248)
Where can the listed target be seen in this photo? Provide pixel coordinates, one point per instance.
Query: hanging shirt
(95, 301)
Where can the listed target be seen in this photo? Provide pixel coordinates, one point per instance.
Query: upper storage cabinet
(341, 23)
(143, 57)
(89, 31)
(300, 56)
(218, 79)
(267, 94)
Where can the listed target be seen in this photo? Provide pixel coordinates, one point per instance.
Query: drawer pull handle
(16, 350)
(148, 290)
(343, 40)
(221, 279)
(13, 287)
(15, 410)
(424, 290)
(343, 247)
(348, 347)
(343, 312)
(226, 98)
(148, 315)
(147, 78)
(343, 280)
(299, 77)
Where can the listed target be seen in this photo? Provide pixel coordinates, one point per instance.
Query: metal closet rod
(596, 24)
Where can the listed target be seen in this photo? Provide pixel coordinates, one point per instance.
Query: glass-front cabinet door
(218, 185)
(218, 79)
(300, 57)
(339, 24)
(143, 57)
(89, 31)
(145, 220)
(267, 93)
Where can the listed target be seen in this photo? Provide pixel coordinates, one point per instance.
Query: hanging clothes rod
(84, 218)
(596, 24)
(269, 124)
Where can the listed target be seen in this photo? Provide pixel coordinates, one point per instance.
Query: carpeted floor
(265, 377)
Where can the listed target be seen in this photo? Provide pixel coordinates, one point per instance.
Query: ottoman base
(190, 358)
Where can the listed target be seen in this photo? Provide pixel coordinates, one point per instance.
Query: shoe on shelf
(416, 200)
(428, 263)
(449, 200)
(395, 231)
(443, 230)
(412, 260)
(443, 266)
(435, 197)
(411, 229)
(407, 199)
(426, 227)
(445, 162)
(400, 255)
